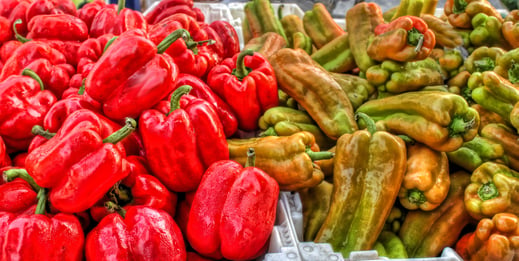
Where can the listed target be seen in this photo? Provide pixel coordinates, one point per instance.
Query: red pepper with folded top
(116, 19)
(23, 103)
(248, 84)
(167, 8)
(18, 12)
(233, 211)
(39, 7)
(140, 188)
(139, 233)
(229, 37)
(132, 75)
(406, 38)
(182, 139)
(90, 10)
(202, 91)
(89, 53)
(81, 162)
(16, 194)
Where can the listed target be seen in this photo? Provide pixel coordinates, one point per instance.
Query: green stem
(241, 70)
(319, 155)
(171, 38)
(192, 44)
(32, 74)
(416, 197)
(122, 133)
(513, 73)
(109, 43)
(414, 36)
(251, 158)
(280, 11)
(123, 193)
(81, 90)
(459, 6)
(175, 97)
(112, 207)
(407, 139)
(120, 5)
(10, 175)
(270, 131)
(370, 124)
(18, 36)
(459, 126)
(42, 202)
(38, 130)
(488, 191)
(484, 64)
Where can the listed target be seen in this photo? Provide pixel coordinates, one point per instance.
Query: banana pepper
(358, 89)
(486, 117)
(507, 137)
(440, 120)
(295, 32)
(507, 66)
(487, 31)
(316, 204)
(483, 58)
(444, 33)
(259, 19)
(390, 245)
(450, 60)
(336, 56)
(460, 12)
(288, 159)
(408, 8)
(475, 152)
(266, 44)
(320, 26)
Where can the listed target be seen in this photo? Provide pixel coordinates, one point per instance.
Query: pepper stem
(241, 70)
(38, 130)
(10, 175)
(270, 131)
(414, 36)
(120, 5)
(513, 73)
(81, 90)
(459, 126)
(171, 38)
(488, 191)
(175, 97)
(109, 43)
(370, 124)
(280, 11)
(251, 158)
(18, 36)
(484, 64)
(459, 6)
(407, 139)
(42, 201)
(112, 207)
(319, 155)
(122, 133)
(34, 75)
(416, 197)
(192, 44)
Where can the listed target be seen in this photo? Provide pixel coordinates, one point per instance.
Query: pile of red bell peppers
(113, 135)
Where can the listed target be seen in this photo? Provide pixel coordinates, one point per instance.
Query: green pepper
(409, 7)
(285, 100)
(293, 24)
(507, 137)
(476, 152)
(507, 65)
(316, 204)
(359, 90)
(487, 31)
(284, 121)
(460, 82)
(390, 245)
(395, 77)
(336, 55)
(302, 41)
(483, 59)
(395, 218)
(259, 19)
(320, 26)
(368, 169)
(440, 120)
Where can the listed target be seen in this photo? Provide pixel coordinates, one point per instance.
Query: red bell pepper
(140, 233)
(180, 9)
(176, 140)
(23, 103)
(5, 160)
(248, 84)
(16, 194)
(406, 38)
(138, 189)
(89, 53)
(39, 7)
(217, 45)
(90, 10)
(228, 36)
(39, 236)
(62, 109)
(116, 19)
(183, 209)
(78, 180)
(8, 48)
(169, 7)
(6, 33)
(6, 6)
(19, 13)
(233, 212)
(202, 91)
(132, 75)
(63, 27)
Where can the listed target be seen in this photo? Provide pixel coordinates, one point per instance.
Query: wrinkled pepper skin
(406, 38)
(176, 138)
(229, 37)
(507, 137)
(510, 28)
(460, 12)
(422, 116)
(495, 93)
(88, 11)
(65, 27)
(426, 181)
(267, 44)
(132, 67)
(395, 77)
(78, 180)
(233, 212)
(24, 103)
(507, 66)
(493, 239)
(368, 169)
(336, 55)
(358, 89)
(493, 190)
(143, 233)
(260, 19)
(487, 31)
(361, 21)
(476, 152)
(390, 245)
(288, 159)
(285, 121)
(315, 90)
(116, 19)
(319, 25)
(152, 17)
(444, 33)
(483, 59)
(316, 204)
(486, 116)
(247, 82)
(89, 53)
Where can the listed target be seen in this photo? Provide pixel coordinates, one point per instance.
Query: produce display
(154, 136)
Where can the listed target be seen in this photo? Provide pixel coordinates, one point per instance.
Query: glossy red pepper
(248, 84)
(182, 139)
(138, 189)
(19, 13)
(16, 194)
(157, 14)
(5, 30)
(24, 103)
(6, 6)
(233, 212)
(5, 160)
(81, 162)
(229, 37)
(89, 53)
(63, 27)
(132, 75)
(90, 10)
(202, 91)
(39, 7)
(7, 49)
(183, 209)
(217, 45)
(140, 233)
(116, 19)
